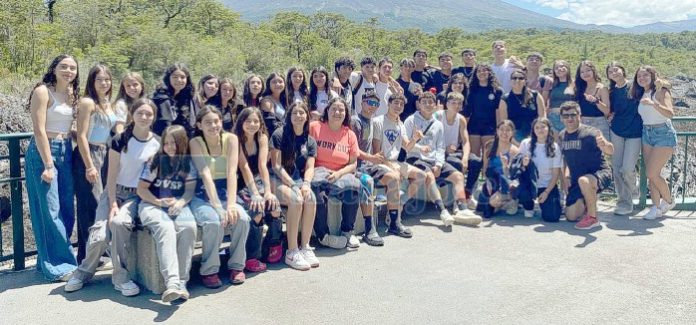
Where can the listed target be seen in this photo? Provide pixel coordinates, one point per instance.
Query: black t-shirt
(626, 123)
(482, 105)
(411, 99)
(303, 146)
(520, 114)
(421, 77)
(468, 72)
(165, 186)
(438, 80)
(253, 161)
(581, 153)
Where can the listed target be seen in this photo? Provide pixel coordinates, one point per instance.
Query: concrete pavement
(508, 270)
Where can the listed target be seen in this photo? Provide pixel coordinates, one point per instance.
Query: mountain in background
(431, 16)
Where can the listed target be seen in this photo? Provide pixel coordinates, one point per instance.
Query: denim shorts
(660, 135)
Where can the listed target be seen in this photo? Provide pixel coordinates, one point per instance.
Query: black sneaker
(401, 231)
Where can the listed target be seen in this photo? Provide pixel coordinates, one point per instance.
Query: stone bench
(146, 272)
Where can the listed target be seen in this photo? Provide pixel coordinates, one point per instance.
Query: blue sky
(623, 13)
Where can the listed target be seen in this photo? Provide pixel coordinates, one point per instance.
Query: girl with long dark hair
(175, 100)
(541, 149)
(293, 171)
(253, 90)
(215, 154)
(95, 121)
(521, 105)
(255, 192)
(593, 98)
(227, 102)
(48, 169)
(319, 92)
(626, 131)
(563, 90)
(166, 186)
(296, 86)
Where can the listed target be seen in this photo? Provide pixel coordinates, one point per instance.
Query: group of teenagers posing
(209, 158)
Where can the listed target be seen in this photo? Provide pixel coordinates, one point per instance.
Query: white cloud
(624, 13)
(555, 4)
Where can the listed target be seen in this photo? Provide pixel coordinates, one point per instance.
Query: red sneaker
(211, 281)
(253, 265)
(587, 222)
(275, 253)
(237, 277)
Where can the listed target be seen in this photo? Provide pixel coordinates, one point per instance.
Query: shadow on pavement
(100, 288)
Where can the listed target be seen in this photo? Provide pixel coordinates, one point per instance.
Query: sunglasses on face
(569, 116)
(371, 102)
(517, 78)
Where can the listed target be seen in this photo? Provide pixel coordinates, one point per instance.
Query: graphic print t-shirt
(304, 148)
(164, 186)
(390, 134)
(581, 153)
(334, 148)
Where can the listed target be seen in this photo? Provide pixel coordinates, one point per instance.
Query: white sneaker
(529, 213)
(665, 207)
(653, 214)
(352, 242)
(466, 217)
(511, 207)
(446, 218)
(128, 289)
(295, 260)
(171, 294)
(73, 284)
(336, 242)
(471, 203)
(308, 255)
(623, 211)
(66, 277)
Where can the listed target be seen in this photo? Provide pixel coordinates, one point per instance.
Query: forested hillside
(147, 35)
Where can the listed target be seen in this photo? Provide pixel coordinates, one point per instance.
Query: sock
(461, 205)
(368, 224)
(439, 205)
(393, 215)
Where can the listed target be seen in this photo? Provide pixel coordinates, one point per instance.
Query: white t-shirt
(502, 73)
(390, 134)
(384, 93)
(323, 100)
(357, 99)
(543, 164)
(134, 158)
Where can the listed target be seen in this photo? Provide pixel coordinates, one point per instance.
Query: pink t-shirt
(334, 148)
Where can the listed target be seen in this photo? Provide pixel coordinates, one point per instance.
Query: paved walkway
(508, 270)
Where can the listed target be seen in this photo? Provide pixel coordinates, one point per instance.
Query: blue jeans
(52, 208)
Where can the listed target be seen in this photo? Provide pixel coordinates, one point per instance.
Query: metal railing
(683, 202)
(15, 180)
(16, 207)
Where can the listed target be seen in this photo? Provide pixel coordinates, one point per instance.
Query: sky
(624, 13)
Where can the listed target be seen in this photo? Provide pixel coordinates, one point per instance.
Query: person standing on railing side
(502, 67)
(535, 80)
(48, 167)
(626, 130)
(593, 97)
(420, 73)
(469, 64)
(95, 120)
(659, 137)
(563, 90)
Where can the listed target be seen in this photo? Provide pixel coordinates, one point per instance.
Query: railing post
(16, 202)
(642, 200)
